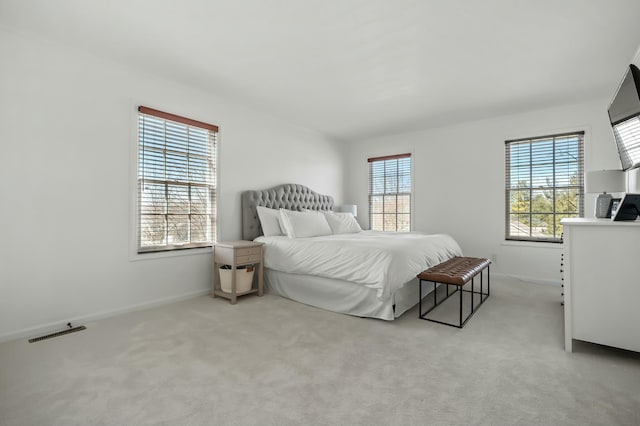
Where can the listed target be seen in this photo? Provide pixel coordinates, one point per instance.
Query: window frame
(578, 186)
(209, 186)
(386, 193)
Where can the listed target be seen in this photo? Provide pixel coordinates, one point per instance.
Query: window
(176, 182)
(390, 193)
(544, 184)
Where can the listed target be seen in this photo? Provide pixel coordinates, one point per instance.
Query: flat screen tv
(624, 115)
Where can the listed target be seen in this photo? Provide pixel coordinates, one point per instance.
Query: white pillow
(304, 224)
(270, 221)
(342, 223)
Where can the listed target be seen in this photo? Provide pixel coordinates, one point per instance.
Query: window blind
(390, 193)
(544, 184)
(176, 182)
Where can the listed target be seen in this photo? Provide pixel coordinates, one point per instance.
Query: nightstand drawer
(254, 258)
(248, 251)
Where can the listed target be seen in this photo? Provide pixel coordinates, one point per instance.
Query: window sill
(170, 253)
(532, 244)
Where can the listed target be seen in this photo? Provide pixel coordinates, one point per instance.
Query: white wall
(459, 174)
(68, 136)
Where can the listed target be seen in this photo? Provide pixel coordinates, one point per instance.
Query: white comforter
(381, 260)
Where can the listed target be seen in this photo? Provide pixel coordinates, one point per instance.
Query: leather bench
(456, 272)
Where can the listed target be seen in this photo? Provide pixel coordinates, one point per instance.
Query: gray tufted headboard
(288, 196)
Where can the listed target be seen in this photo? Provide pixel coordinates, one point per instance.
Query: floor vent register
(57, 334)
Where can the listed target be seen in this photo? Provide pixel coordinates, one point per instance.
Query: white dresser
(602, 282)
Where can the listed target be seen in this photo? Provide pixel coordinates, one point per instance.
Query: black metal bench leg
(472, 291)
(461, 292)
(420, 299)
(435, 296)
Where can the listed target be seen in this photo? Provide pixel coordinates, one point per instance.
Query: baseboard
(62, 324)
(532, 280)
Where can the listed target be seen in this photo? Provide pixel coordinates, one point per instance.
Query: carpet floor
(271, 361)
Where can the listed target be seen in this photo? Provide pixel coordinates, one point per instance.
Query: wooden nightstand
(236, 253)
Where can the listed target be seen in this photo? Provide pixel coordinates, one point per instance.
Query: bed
(366, 274)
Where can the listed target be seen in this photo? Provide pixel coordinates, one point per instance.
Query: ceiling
(352, 69)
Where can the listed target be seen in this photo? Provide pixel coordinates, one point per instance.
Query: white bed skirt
(343, 296)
